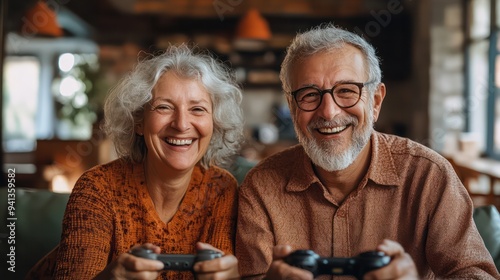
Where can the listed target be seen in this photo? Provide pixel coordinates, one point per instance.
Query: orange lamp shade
(41, 20)
(253, 26)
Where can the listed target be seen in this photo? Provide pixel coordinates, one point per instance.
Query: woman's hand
(220, 268)
(128, 266)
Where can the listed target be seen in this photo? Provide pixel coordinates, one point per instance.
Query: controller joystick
(356, 266)
(177, 262)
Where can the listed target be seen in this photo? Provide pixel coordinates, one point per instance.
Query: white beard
(328, 154)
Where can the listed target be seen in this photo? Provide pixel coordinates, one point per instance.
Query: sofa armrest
(38, 227)
(487, 220)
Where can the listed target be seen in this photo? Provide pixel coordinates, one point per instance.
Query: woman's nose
(181, 120)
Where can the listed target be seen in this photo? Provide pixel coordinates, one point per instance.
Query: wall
(446, 74)
(405, 63)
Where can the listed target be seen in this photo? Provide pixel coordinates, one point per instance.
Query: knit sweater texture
(110, 210)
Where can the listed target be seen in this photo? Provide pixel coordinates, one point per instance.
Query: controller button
(337, 271)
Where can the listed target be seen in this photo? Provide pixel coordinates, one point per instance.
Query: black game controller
(356, 266)
(177, 261)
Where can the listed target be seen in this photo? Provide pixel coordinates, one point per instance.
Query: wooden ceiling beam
(236, 8)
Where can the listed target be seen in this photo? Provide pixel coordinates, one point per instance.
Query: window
(20, 101)
(482, 91)
(59, 101)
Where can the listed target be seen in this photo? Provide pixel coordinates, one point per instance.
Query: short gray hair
(124, 107)
(323, 38)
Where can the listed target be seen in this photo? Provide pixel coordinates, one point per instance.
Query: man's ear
(378, 98)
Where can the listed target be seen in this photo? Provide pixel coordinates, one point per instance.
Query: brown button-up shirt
(410, 194)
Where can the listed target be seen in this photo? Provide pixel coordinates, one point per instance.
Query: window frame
(493, 92)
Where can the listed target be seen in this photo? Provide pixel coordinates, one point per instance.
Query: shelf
(256, 69)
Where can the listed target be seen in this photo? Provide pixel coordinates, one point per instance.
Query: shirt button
(341, 213)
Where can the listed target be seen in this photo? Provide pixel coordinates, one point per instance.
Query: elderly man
(347, 189)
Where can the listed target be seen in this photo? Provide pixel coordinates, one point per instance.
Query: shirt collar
(302, 174)
(382, 170)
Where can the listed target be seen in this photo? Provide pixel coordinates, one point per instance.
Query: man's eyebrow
(337, 82)
(307, 85)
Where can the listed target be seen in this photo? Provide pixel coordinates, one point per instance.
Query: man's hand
(400, 267)
(281, 270)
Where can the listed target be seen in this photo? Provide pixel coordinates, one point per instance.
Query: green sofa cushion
(38, 227)
(487, 220)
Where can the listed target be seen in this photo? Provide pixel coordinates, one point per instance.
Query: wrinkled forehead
(340, 64)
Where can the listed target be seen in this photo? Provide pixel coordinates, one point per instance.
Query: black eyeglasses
(345, 95)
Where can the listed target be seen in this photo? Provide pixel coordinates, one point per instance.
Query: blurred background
(60, 58)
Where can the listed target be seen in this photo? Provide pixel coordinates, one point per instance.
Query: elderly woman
(173, 119)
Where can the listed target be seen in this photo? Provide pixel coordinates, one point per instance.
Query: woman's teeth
(180, 142)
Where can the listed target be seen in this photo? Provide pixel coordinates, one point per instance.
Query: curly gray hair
(124, 107)
(323, 38)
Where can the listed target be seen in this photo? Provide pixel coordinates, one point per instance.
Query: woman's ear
(139, 129)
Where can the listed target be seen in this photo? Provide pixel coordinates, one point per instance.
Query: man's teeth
(180, 142)
(332, 130)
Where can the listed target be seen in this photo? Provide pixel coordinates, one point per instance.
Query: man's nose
(328, 109)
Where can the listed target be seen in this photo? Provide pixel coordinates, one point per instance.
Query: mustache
(320, 122)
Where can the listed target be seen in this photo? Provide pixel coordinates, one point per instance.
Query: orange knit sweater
(110, 210)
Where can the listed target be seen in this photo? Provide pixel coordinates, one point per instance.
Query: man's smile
(332, 130)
